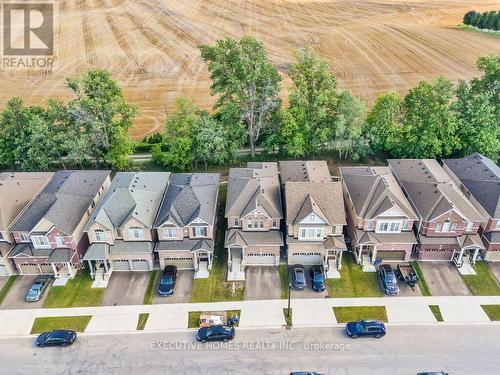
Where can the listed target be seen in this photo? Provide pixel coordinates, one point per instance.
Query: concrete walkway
(255, 314)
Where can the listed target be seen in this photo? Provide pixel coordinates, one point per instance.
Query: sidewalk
(255, 314)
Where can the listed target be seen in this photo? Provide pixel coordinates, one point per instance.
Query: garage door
(140, 265)
(435, 254)
(179, 262)
(121, 265)
(391, 255)
(493, 255)
(47, 269)
(260, 260)
(3, 270)
(29, 269)
(307, 258)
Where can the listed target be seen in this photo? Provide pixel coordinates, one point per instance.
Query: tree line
(486, 20)
(434, 119)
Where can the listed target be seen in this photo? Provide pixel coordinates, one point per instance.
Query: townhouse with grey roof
(121, 231)
(315, 215)
(379, 217)
(186, 222)
(479, 179)
(17, 189)
(49, 232)
(448, 224)
(253, 213)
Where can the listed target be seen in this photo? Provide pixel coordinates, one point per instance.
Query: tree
(490, 80)
(99, 117)
(291, 139)
(313, 100)
(242, 74)
(429, 124)
(478, 129)
(11, 124)
(384, 119)
(469, 17)
(209, 142)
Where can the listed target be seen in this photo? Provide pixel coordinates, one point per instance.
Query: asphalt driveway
(262, 283)
(182, 292)
(443, 279)
(17, 294)
(495, 268)
(126, 288)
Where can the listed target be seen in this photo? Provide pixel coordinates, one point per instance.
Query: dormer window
(136, 233)
(199, 232)
(99, 235)
(169, 233)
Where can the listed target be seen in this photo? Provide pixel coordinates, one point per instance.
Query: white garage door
(3, 270)
(121, 265)
(392, 255)
(260, 260)
(47, 269)
(179, 262)
(493, 255)
(307, 258)
(29, 269)
(140, 265)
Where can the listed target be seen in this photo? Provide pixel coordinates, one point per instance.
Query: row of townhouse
(53, 223)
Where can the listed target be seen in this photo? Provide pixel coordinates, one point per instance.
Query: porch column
(195, 261)
(339, 262)
(106, 265)
(474, 257)
(229, 263)
(91, 268)
(360, 253)
(460, 257)
(54, 268)
(374, 253)
(210, 259)
(71, 270)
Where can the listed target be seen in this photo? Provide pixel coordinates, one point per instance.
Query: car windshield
(300, 276)
(390, 278)
(167, 280)
(318, 278)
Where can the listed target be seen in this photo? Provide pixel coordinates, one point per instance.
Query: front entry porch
(235, 264)
(202, 264)
(465, 259)
(63, 272)
(365, 256)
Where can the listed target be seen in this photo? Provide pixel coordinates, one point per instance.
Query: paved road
(405, 350)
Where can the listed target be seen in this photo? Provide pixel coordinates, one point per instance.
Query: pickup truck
(406, 273)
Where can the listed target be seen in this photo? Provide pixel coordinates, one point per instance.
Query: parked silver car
(38, 288)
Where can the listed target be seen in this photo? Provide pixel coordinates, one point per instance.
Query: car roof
(59, 333)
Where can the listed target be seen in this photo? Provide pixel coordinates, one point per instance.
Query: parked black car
(299, 276)
(58, 337)
(38, 288)
(374, 328)
(317, 278)
(215, 333)
(167, 281)
(434, 373)
(388, 279)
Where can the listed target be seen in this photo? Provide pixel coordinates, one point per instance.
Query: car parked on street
(167, 281)
(215, 333)
(299, 276)
(317, 278)
(388, 279)
(373, 328)
(37, 289)
(57, 337)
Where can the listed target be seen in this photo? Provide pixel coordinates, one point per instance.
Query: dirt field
(150, 46)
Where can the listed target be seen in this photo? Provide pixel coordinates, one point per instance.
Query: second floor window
(311, 233)
(370, 225)
(136, 233)
(389, 227)
(40, 241)
(169, 233)
(236, 222)
(60, 241)
(24, 237)
(470, 225)
(199, 232)
(275, 223)
(100, 235)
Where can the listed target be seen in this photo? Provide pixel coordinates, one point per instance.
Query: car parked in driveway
(167, 281)
(388, 279)
(317, 278)
(37, 289)
(215, 333)
(373, 328)
(57, 337)
(299, 276)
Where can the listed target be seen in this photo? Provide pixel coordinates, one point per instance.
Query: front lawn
(78, 292)
(352, 313)
(493, 312)
(424, 288)
(6, 288)
(150, 291)
(437, 312)
(353, 281)
(484, 282)
(141, 322)
(75, 323)
(284, 280)
(215, 288)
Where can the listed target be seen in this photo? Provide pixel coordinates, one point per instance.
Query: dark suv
(317, 278)
(373, 328)
(299, 276)
(388, 279)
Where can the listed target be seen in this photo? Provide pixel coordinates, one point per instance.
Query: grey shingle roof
(327, 201)
(373, 190)
(186, 244)
(61, 256)
(97, 251)
(131, 247)
(189, 196)
(407, 237)
(63, 201)
(236, 237)
(131, 195)
(305, 171)
(492, 237)
(431, 189)
(28, 250)
(258, 184)
(481, 177)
